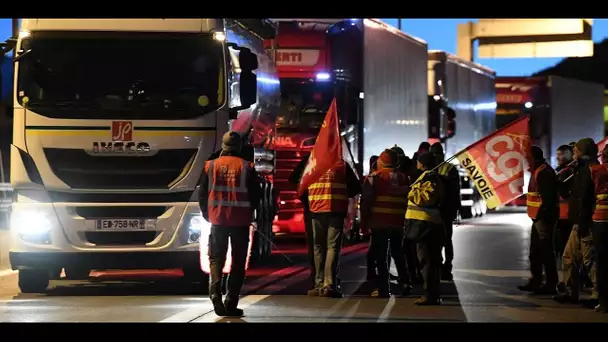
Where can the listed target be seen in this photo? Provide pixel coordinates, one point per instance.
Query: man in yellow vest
(450, 206)
(424, 226)
(543, 210)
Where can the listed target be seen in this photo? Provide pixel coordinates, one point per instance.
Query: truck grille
(120, 238)
(80, 170)
(120, 212)
(286, 162)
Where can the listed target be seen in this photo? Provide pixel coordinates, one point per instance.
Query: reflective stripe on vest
(415, 212)
(390, 200)
(533, 199)
(329, 193)
(229, 204)
(599, 174)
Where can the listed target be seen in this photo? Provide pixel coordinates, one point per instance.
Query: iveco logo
(121, 147)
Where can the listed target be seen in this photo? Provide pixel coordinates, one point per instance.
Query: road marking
(244, 303)
(387, 310)
(190, 314)
(351, 312)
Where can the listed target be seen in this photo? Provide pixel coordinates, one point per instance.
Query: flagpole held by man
(330, 183)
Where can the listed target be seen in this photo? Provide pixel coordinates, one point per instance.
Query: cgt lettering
(477, 177)
(501, 148)
(121, 147)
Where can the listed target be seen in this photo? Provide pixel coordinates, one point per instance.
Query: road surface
(491, 260)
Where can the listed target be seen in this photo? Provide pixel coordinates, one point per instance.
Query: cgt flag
(496, 163)
(600, 148)
(326, 152)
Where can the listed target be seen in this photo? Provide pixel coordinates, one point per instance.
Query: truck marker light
(219, 36)
(323, 76)
(528, 105)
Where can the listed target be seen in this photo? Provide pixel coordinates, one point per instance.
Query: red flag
(496, 163)
(600, 148)
(326, 152)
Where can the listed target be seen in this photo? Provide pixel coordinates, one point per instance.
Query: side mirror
(248, 89)
(248, 61)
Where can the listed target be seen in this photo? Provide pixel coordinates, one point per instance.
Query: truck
(110, 137)
(561, 111)
(377, 75)
(462, 105)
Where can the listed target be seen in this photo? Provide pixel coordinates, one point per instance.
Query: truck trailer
(110, 137)
(377, 75)
(462, 105)
(561, 111)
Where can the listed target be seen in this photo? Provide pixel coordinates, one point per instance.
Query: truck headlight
(197, 226)
(31, 226)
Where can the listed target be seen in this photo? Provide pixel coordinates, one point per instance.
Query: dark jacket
(580, 194)
(547, 185)
(294, 178)
(253, 187)
(451, 204)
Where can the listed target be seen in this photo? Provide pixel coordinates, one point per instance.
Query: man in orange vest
(328, 201)
(228, 194)
(599, 230)
(564, 156)
(383, 205)
(581, 200)
(543, 210)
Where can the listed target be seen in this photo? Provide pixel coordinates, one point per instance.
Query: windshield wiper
(21, 55)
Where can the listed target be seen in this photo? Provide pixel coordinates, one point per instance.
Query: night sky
(440, 34)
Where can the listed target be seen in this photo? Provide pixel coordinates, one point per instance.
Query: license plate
(121, 224)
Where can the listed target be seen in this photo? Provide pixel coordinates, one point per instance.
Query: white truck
(462, 98)
(113, 122)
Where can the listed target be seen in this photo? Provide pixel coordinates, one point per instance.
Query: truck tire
(33, 280)
(77, 273)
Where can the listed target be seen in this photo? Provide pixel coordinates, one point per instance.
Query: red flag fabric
(326, 152)
(600, 148)
(497, 163)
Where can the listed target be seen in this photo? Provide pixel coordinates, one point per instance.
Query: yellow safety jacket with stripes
(533, 199)
(424, 198)
(329, 193)
(389, 198)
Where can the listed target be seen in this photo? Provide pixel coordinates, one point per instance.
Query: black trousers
(429, 256)
(448, 246)
(411, 258)
(382, 238)
(218, 247)
(371, 260)
(599, 231)
(542, 252)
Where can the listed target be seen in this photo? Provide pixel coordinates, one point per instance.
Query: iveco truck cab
(113, 120)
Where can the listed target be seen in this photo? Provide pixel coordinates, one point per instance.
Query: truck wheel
(33, 281)
(77, 273)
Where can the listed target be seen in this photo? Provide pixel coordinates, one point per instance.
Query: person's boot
(561, 288)
(531, 286)
(566, 298)
(232, 310)
(314, 292)
(546, 289)
(427, 301)
(218, 307)
(378, 293)
(601, 308)
(329, 292)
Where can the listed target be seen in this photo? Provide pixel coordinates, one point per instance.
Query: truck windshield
(119, 75)
(304, 103)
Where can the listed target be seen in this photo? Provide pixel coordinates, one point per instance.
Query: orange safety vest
(229, 203)
(533, 199)
(390, 201)
(329, 194)
(599, 174)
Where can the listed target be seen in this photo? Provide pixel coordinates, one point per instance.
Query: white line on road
(387, 310)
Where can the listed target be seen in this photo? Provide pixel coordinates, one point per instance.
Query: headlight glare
(30, 223)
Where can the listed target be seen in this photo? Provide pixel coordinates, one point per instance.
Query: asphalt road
(491, 260)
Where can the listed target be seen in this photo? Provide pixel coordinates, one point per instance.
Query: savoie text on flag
(496, 164)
